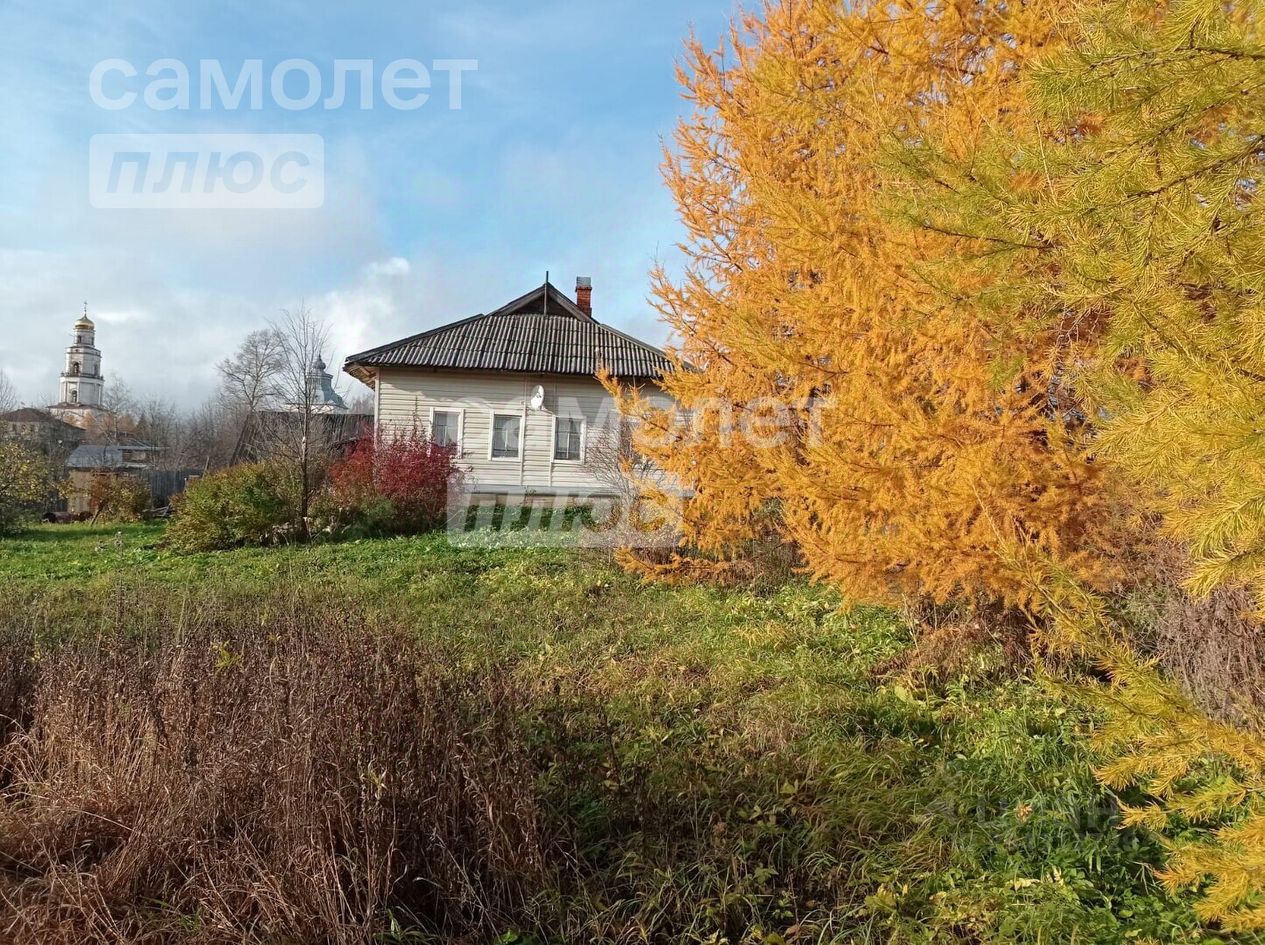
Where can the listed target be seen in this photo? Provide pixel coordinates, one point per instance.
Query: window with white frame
(507, 431)
(568, 439)
(445, 428)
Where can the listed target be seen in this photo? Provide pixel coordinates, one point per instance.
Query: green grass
(724, 762)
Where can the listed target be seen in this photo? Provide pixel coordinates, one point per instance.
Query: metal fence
(165, 483)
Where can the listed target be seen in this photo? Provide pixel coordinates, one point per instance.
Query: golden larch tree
(1123, 208)
(838, 394)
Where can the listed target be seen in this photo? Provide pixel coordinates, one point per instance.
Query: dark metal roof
(521, 337)
(100, 456)
(321, 388)
(28, 415)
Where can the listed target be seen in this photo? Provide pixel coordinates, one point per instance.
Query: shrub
(117, 497)
(251, 504)
(26, 482)
(192, 776)
(399, 485)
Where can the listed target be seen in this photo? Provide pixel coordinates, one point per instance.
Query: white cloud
(395, 266)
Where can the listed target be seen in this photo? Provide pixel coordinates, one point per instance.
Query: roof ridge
(573, 310)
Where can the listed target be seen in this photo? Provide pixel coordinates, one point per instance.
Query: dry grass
(191, 777)
(956, 641)
(1213, 646)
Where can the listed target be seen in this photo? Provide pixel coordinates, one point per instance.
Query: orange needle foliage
(842, 397)
(1134, 198)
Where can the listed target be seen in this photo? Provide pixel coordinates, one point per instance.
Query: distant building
(81, 391)
(94, 459)
(270, 433)
(41, 429)
(325, 420)
(322, 398)
(113, 457)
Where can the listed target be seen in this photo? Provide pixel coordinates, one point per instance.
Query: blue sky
(551, 163)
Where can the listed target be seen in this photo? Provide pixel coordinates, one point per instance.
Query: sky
(551, 163)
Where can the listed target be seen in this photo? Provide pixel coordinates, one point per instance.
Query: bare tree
(160, 424)
(115, 418)
(8, 394)
(212, 436)
(297, 433)
(617, 463)
(117, 398)
(251, 379)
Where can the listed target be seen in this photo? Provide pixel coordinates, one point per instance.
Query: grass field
(718, 765)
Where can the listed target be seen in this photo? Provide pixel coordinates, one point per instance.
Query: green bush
(364, 515)
(251, 504)
(26, 483)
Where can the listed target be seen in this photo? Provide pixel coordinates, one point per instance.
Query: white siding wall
(405, 397)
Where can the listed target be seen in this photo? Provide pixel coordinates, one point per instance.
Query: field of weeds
(399, 741)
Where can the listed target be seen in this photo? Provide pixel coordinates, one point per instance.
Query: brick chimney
(584, 294)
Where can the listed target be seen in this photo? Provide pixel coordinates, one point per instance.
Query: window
(445, 428)
(506, 431)
(74, 368)
(74, 396)
(568, 439)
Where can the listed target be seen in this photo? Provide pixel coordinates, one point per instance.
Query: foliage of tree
(991, 275)
(1139, 188)
(1126, 212)
(26, 483)
(837, 392)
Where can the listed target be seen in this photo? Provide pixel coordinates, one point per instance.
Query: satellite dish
(537, 397)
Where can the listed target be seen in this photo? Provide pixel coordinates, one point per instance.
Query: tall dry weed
(186, 773)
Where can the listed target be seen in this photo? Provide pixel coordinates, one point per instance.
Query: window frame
(518, 454)
(461, 425)
(584, 426)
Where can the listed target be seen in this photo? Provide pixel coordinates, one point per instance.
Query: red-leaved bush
(397, 485)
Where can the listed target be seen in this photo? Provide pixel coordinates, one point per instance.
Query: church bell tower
(82, 387)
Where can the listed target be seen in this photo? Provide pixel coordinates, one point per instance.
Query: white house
(515, 391)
